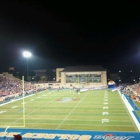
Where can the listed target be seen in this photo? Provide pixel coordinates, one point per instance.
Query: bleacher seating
(133, 91)
(12, 88)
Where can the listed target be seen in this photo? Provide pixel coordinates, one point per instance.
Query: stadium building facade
(91, 76)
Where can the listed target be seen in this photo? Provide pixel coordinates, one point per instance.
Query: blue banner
(36, 134)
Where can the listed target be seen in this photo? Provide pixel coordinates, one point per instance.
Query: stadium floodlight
(27, 55)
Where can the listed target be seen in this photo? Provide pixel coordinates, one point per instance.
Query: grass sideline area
(99, 110)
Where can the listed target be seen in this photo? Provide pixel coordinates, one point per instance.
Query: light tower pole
(27, 55)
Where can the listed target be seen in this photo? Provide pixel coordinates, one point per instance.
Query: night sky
(69, 33)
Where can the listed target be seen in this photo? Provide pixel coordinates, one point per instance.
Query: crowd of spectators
(13, 88)
(133, 91)
(135, 88)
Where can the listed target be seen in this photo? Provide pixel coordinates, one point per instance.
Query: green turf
(45, 111)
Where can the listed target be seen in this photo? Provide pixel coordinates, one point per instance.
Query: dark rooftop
(83, 68)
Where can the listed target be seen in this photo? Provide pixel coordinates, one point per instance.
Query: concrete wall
(104, 78)
(6, 74)
(63, 78)
(68, 85)
(58, 77)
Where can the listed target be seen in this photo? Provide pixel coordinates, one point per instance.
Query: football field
(98, 110)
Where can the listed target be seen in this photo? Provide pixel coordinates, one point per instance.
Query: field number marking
(105, 103)
(105, 113)
(105, 107)
(104, 120)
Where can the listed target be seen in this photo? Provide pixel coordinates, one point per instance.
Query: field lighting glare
(27, 54)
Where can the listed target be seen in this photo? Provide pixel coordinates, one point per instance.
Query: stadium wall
(6, 74)
(76, 85)
(130, 109)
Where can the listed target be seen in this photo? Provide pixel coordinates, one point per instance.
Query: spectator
(17, 137)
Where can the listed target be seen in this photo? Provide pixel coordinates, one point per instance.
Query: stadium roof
(83, 68)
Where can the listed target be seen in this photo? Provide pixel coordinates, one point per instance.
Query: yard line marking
(77, 124)
(14, 106)
(32, 99)
(1, 112)
(32, 112)
(71, 111)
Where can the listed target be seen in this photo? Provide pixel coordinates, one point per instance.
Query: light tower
(27, 55)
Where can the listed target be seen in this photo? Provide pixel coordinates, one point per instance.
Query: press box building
(92, 76)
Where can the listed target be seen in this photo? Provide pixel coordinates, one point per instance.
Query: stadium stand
(133, 91)
(12, 88)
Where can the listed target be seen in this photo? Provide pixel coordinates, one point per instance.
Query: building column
(63, 78)
(104, 78)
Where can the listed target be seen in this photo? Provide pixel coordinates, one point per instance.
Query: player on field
(58, 89)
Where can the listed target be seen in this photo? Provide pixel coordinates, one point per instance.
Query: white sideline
(130, 109)
(19, 99)
(82, 90)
